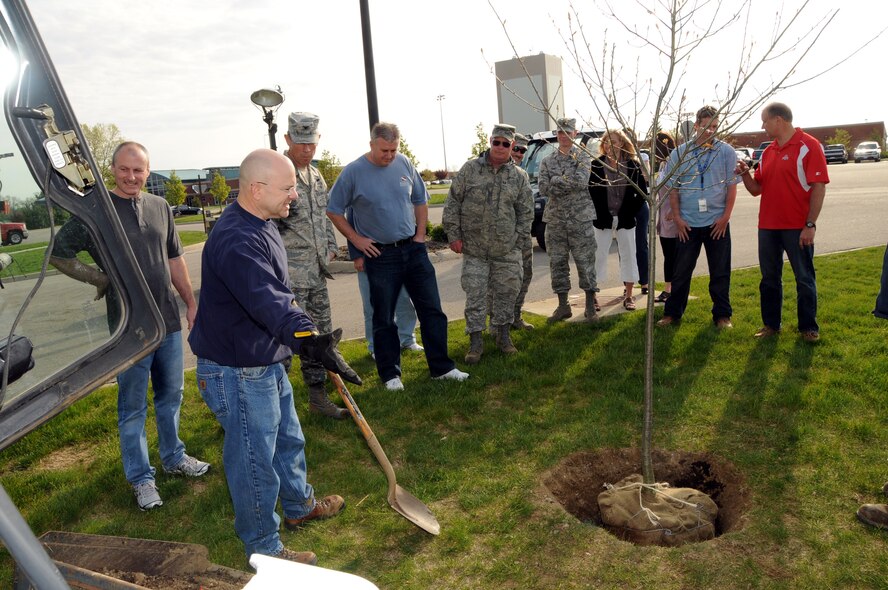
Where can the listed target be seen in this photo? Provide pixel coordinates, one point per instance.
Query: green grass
(438, 196)
(805, 424)
(28, 258)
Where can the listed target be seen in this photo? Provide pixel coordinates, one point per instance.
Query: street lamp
(269, 101)
(444, 143)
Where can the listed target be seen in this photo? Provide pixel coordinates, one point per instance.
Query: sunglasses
(498, 142)
(519, 149)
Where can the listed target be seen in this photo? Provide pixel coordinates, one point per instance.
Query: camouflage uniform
(491, 212)
(309, 239)
(564, 179)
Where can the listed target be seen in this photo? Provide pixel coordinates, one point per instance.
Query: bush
(436, 232)
(35, 215)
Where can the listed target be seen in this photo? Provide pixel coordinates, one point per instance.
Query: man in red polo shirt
(791, 179)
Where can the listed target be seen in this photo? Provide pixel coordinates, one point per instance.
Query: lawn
(804, 424)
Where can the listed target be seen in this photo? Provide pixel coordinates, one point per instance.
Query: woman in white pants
(618, 189)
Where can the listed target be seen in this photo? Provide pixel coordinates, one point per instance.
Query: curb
(347, 266)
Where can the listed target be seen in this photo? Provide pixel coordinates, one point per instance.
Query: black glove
(322, 348)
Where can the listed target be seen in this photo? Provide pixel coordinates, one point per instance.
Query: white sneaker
(147, 496)
(415, 347)
(454, 374)
(394, 384)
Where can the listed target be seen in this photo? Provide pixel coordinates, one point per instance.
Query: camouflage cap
(567, 125)
(504, 131)
(303, 128)
(521, 140)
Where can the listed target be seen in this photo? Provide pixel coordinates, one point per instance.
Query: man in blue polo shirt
(390, 205)
(703, 187)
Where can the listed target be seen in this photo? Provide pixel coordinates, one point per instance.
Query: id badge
(701, 205)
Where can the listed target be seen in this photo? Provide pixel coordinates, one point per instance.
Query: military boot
(519, 323)
(476, 348)
(319, 403)
(591, 315)
(504, 341)
(562, 312)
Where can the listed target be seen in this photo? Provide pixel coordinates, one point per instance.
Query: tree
(102, 138)
(174, 190)
(329, 166)
(841, 136)
(405, 149)
(641, 82)
(481, 145)
(219, 188)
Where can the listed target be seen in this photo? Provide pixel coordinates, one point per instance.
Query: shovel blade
(412, 508)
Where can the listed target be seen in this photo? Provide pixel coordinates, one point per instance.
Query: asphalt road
(853, 216)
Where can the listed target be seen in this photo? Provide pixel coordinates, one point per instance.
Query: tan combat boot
(319, 403)
(504, 340)
(562, 312)
(476, 349)
(591, 314)
(519, 323)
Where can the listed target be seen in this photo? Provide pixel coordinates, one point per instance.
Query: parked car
(541, 145)
(868, 150)
(12, 233)
(836, 152)
(744, 155)
(757, 154)
(185, 210)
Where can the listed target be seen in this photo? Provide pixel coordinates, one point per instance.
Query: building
(858, 131)
(524, 85)
(197, 182)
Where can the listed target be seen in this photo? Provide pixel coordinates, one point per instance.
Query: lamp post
(269, 101)
(443, 142)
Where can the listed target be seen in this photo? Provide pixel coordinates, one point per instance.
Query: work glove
(322, 348)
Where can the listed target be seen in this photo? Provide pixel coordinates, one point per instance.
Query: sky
(177, 75)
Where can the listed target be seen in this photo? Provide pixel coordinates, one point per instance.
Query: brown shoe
(306, 557)
(520, 324)
(666, 320)
(874, 515)
(324, 508)
(723, 323)
(766, 332)
(811, 336)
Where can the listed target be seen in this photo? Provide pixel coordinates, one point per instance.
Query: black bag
(18, 352)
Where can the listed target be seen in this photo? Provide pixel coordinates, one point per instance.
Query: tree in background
(175, 190)
(329, 166)
(877, 137)
(481, 144)
(842, 137)
(405, 149)
(102, 138)
(219, 189)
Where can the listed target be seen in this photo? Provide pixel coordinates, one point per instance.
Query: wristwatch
(811, 224)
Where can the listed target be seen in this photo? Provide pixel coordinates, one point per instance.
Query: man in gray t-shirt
(390, 205)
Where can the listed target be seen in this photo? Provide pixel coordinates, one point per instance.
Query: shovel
(404, 503)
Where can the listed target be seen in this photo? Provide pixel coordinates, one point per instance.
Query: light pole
(269, 101)
(443, 142)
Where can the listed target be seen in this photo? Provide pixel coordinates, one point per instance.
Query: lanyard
(702, 166)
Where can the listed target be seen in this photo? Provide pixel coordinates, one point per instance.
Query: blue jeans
(406, 266)
(772, 244)
(405, 315)
(718, 255)
(881, 310)
(263, 452)
(641, 242)
(164, 366)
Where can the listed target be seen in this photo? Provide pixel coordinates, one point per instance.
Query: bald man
(247, 324)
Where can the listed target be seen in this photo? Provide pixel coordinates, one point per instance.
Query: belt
(396, 244)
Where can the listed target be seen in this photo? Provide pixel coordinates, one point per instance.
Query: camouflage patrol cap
(567, 125)
(520, 140)
(303, 128)
(504, 131)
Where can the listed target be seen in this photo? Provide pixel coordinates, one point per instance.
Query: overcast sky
(177, 76)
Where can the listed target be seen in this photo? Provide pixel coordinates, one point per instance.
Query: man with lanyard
(390, 205)
(791, 179)
(703, 188)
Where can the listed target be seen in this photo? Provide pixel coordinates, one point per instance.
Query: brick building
(859, 132)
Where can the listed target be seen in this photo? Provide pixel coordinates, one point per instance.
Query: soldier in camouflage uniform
(311, 245)
(519, 148)
(564, 179)
(487, 213)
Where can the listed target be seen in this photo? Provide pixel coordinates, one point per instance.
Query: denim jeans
(263, 452)
(405, 315)
(772, 244)
(164, 366)
(881, 310)
(718, 255)
(406, 266)
(641, 242)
